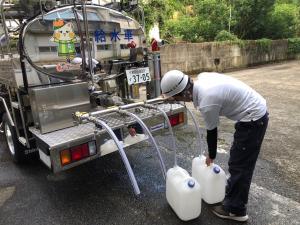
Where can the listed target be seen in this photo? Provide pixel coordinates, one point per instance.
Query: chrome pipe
(23, 120)
(129, 106)
(156, 100)
(7, 112)
(5, 27)
(105, 111)
(88, 41)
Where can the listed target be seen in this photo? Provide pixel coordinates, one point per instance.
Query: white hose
(121, 151)
(200, 136)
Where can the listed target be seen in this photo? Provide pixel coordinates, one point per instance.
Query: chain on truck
(77, 82)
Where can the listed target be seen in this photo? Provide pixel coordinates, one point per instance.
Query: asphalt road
(100, 192)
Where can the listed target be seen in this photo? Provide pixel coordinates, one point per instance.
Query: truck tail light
(77, 153)
(65, 157)
(181, 117)
(176, 119)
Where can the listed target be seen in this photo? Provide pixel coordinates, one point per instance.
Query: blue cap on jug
(216, 169)
(191, 183)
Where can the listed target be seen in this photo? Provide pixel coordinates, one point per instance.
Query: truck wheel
(16, 149)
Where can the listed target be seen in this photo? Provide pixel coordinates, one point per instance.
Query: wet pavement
(100, 192)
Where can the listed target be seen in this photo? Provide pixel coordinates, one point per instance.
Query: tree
(295, 2)
(283, 21)
(212, 17)
(184, 29)
(209, 17)
(158, 11)
(224, 35)
(251, 17)
(204, 19)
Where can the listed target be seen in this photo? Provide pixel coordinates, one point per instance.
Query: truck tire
(15, 148)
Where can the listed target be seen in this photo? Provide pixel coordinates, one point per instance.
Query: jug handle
(182, 172)
(203, 159)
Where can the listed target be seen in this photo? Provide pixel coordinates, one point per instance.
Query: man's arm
(212, 140)
(211, 118)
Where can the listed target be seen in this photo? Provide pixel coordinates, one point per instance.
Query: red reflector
(76, 153)
(85, 150)
(79, 152)
(174, 120)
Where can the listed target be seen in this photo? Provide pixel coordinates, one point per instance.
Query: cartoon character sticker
(65, 36)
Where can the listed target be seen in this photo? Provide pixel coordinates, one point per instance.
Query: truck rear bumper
(51, 144)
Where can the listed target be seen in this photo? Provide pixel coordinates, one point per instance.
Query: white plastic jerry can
(211, 178)
(183, 193)
(199, 169)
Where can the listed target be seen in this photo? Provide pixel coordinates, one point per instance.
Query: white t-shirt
(217, 95)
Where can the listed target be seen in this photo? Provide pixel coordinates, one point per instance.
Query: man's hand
(208, 161)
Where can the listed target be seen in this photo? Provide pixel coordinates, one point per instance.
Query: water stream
(170, 129)
(200, 136)
(121, 151)
(162, 164)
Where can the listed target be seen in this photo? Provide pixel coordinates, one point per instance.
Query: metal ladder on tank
(16, 102)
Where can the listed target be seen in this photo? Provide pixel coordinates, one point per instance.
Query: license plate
(137, 76)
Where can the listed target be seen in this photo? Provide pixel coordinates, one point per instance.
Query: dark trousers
(244, 151)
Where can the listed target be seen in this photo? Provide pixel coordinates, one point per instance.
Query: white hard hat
(173, 82)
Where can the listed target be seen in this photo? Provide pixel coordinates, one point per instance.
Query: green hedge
(226, 36)
(264, 44)
(294, 45)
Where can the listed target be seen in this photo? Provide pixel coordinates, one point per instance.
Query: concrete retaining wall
(197, 57)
